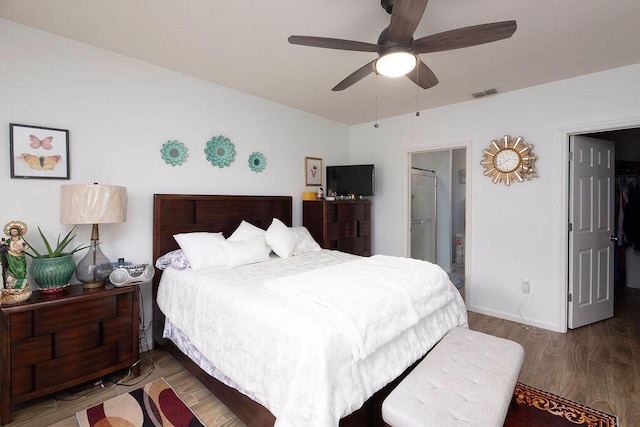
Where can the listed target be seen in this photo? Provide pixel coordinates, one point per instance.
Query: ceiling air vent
(485, 93)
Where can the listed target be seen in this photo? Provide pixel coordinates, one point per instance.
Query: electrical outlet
(525, 285)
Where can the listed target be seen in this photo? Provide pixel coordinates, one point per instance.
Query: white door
(591, 245)
(423, 216)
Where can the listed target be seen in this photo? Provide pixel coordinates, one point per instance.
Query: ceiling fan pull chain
(417, 91)
(376, 125)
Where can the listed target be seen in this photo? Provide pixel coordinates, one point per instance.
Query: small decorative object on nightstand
(14, 260)
(52, 270)
(14, 296)
(52, 274)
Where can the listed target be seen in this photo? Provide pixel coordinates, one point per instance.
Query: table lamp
(93, 204)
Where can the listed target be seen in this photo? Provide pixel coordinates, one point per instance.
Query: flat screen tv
(358, 180)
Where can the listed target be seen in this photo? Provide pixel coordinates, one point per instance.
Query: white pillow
(306, 242)
(281, 239)
(203, 250)
(245, 231)
(245, 252)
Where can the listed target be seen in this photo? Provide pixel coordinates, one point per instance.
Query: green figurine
(14, 261)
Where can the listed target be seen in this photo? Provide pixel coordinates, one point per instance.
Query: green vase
(52, 274)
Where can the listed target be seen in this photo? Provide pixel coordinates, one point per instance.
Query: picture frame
(313, 171)
(38, 152)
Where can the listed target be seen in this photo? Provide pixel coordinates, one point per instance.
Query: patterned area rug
(540, 408)
(154, 405)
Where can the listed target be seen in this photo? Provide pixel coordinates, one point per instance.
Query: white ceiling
(242, 44)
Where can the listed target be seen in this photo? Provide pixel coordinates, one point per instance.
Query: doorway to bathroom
(437, 205)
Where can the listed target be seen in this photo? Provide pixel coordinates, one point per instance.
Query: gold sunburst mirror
(509, 160)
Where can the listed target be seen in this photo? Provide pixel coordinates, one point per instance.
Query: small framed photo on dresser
(37, 152)
(313, 171)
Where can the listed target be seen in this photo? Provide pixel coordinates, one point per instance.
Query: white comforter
(399, 303)
(293, 355)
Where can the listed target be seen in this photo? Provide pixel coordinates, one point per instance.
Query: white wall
(517, 231)
(119, 112)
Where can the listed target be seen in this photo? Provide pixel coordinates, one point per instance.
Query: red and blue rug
(534, 407)
(153, 405)
(157, 405)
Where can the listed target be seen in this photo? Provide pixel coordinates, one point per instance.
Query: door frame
(406, 206)
(563, 292)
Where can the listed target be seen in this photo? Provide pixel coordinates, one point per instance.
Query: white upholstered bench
(467, 379)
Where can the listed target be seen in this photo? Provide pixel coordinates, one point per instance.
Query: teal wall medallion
(257, 161)
(220, 151)
(174, 153)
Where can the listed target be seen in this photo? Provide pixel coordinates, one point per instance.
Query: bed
(374, 370)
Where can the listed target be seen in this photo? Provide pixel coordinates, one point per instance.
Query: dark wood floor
(598, 365)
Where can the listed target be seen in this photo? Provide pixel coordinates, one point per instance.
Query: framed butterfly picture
(38, 152)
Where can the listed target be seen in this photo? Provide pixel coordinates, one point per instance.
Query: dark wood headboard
(184, 213)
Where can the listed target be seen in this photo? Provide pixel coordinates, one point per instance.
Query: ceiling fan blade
(333, 43)
(405, 17)
(464, 37)
(423, 76)
(355, 77)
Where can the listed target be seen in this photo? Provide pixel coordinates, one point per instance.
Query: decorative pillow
(245, 231)
(306, 242)
(203, 250)
(175, 259)
(281, 239)
(245, 252)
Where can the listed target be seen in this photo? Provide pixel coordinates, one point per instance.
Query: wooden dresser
(344, 225)
(52, 342)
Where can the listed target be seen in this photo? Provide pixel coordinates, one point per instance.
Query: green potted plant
(53, 269)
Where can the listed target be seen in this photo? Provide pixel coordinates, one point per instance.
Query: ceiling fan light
(395, 64)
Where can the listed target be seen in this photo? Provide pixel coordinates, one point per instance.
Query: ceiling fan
(398, 51)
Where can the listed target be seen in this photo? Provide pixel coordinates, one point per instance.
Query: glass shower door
(423, 215)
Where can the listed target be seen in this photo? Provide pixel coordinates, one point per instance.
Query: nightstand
(53, 342)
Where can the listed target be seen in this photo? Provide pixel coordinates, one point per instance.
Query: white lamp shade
(92, 204)
(396, 64)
